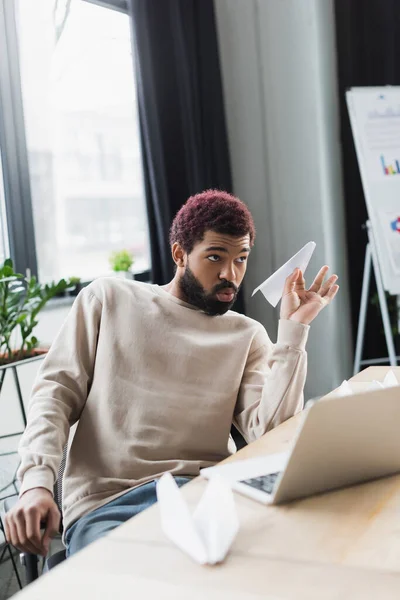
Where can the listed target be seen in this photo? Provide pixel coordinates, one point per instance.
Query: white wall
(279, 75)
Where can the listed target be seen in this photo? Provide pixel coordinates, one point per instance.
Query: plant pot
(19, 358)
(75, 291)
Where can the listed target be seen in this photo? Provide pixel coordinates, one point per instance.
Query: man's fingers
(52, 527)
(290, 282)
(332, 293)
(32, 523)
(319, 280)
(23, 543)
(300, 282)
(11, 533)
(7, 529)
(328, 284)
(19, 524)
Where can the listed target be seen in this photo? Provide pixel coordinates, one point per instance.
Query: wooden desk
(344, 544)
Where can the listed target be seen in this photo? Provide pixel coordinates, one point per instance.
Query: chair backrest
(58, 486)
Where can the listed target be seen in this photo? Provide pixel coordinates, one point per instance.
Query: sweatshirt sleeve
(59, 394)
(272, 386)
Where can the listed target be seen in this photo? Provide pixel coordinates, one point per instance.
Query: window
(82, 137)
(4, 249)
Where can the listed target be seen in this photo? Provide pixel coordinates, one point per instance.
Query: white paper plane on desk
(207, 535)
(273, 287)
(345, 388)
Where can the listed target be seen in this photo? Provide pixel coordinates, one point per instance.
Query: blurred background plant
(121, 260)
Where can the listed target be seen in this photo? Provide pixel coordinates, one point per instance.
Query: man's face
(213, 272)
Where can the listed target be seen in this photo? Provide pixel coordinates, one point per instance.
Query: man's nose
(228, 273)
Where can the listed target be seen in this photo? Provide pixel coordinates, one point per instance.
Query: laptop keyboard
(265, 483)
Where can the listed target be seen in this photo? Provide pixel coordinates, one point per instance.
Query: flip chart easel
(375, 121)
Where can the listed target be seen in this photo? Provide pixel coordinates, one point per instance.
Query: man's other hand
(23, 522)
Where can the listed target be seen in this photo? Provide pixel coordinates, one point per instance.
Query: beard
(195, 294)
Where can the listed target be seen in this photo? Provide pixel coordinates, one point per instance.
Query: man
(154, 377)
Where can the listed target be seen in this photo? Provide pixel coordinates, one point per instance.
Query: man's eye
(213, 258)
(242, 259)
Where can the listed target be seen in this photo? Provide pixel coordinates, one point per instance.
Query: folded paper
(390, 380)
(207, 535)
(273, 287)
(345, 388)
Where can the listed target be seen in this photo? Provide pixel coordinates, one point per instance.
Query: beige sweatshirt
(155, 384)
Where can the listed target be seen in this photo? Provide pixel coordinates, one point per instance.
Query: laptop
(340, 442)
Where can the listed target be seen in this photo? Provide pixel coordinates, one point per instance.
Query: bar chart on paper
(390, 167)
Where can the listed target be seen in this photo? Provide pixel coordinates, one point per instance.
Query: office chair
(30, 561)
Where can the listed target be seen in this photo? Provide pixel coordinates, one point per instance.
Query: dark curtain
(182, 118)
(368, 47)
(184, 139)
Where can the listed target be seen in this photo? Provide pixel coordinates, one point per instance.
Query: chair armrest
(30, 562)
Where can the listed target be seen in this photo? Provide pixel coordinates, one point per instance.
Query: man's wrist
(301, 320)
(34, 489)
(38, 476)
(292, 333)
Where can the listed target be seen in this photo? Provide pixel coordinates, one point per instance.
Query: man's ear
(178, 254)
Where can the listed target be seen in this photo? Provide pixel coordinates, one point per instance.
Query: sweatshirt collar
(162, 292)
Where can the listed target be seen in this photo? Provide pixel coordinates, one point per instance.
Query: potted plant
(21, 300)
(121, 262)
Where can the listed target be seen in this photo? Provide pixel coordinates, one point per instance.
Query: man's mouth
(226, 295)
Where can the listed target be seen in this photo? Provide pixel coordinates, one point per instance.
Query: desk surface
(343, 544)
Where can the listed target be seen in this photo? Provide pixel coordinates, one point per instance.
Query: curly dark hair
(213, 210)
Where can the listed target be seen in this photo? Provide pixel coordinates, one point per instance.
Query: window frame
(120, 5)
(16, 176)
(5, 246)
(17, 192)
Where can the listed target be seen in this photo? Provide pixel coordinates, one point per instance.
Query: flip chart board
(375, 122)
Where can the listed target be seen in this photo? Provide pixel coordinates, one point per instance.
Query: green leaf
(10, 278)
(21, 319)
(122, 260)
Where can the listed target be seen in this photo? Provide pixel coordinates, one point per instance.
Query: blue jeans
(100, 521)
